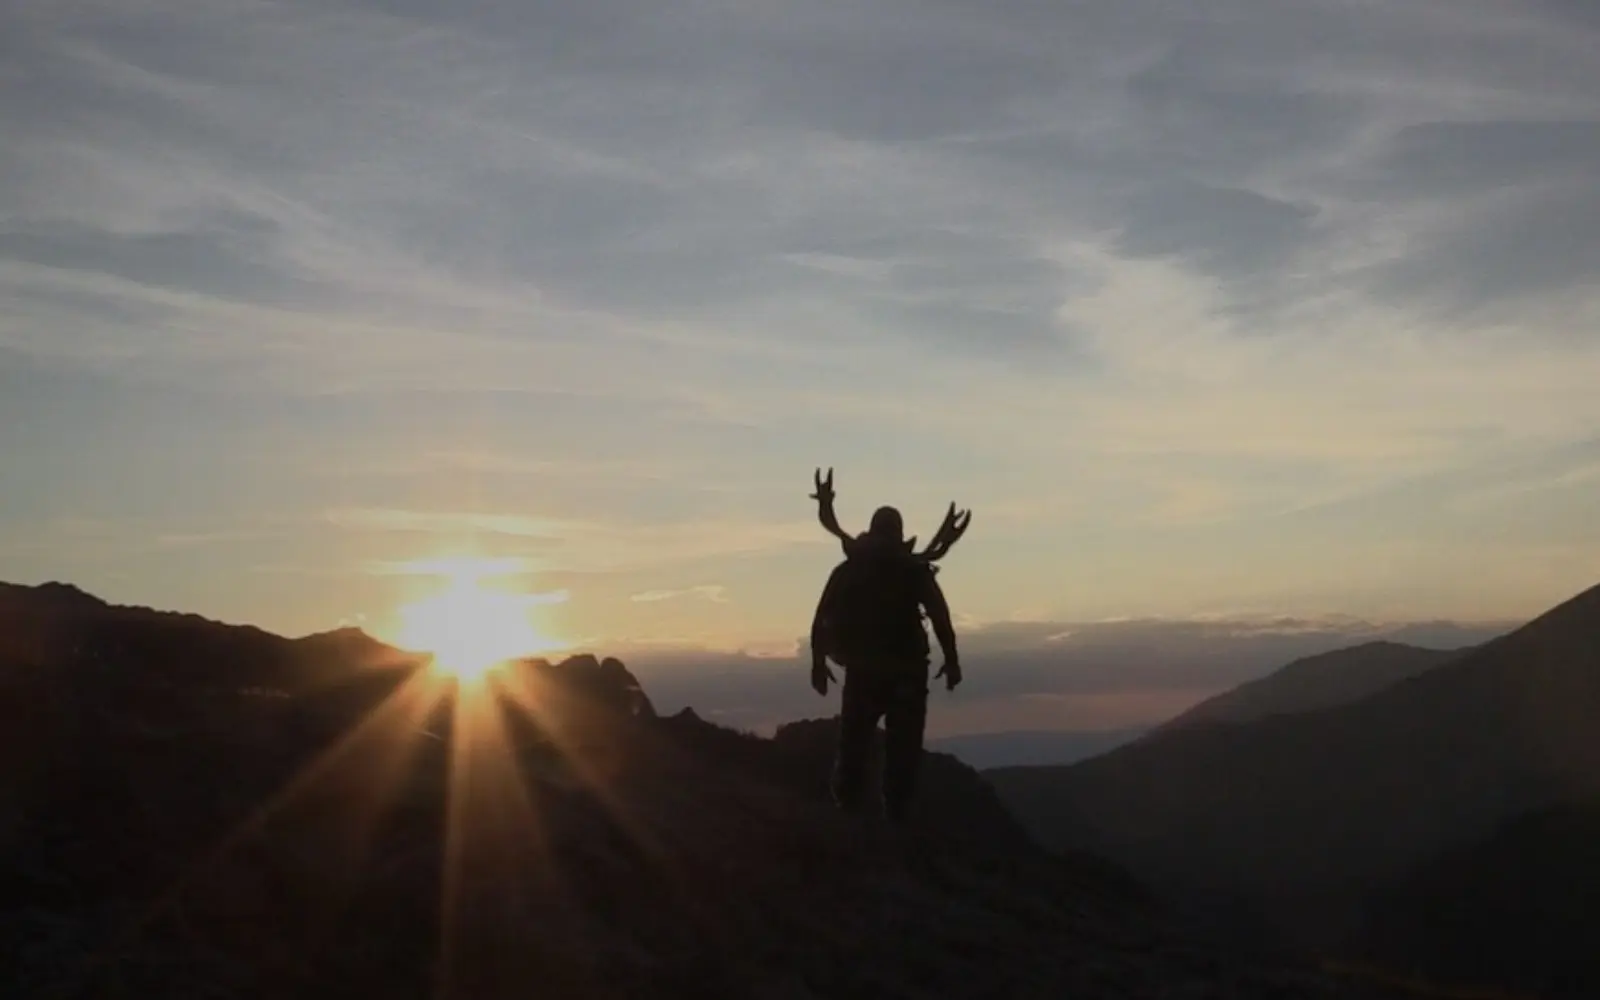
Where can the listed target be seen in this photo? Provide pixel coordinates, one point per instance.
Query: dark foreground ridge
(1437, 825)
(202, 810)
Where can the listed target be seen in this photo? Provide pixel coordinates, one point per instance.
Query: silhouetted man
(870, 621)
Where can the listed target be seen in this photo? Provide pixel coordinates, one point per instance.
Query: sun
(471, 629)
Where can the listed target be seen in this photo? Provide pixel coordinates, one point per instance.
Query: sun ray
(541, 702)
(397, 717)
(571, 727)
(497, 865)
(495, 851)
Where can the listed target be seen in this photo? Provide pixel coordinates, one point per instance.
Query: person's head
(887, 526)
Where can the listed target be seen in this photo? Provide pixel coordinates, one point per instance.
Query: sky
(1220, 311)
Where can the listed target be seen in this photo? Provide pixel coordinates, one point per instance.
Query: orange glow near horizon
(470, 628)
(496, 855)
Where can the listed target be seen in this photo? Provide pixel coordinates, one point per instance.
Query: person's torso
(878, 610)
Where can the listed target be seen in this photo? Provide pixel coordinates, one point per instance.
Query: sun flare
(470, 629)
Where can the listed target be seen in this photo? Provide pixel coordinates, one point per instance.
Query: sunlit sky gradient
(1253, 306)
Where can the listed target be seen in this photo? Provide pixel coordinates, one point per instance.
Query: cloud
(544, 598)
(713, 592)
(581, 546)
(1138, 283)
(1219, 230)
(437, 522)
(1043, 674)
(179, 540)
(475, 568)
(1526, 242)
(1447, 159)
(83, 539)
(941, 154)
(228, 255)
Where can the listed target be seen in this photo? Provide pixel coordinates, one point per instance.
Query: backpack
(876, 608)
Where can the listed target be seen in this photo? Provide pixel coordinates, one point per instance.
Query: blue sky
(1254, 307)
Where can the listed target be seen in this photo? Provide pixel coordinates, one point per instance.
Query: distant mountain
(1322, 681)
(1292, 818)
(1450, 635)
(1032, 746)
(198, 809)
(1519, 909)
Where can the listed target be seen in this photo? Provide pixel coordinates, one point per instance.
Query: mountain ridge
(380, 831)
(1322, 680)
(1514, 908)
(1295, 813)
(1025, 747)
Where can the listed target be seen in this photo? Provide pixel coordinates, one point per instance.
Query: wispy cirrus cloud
(475, 568)
(573, 545)
(1153, 289)
(713, 592)
(443, 522)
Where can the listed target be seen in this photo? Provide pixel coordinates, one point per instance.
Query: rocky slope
(212, 811)
(1025, 748)
(1295, 817)
(1516, 909)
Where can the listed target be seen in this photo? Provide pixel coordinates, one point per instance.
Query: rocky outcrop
(606, 681)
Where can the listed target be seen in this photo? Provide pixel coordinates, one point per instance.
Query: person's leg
(906, 716)
(858, 721)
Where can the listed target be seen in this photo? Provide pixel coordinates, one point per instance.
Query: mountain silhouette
(1325, 680)
(1515, 909)
(1288, 820)
(1018, 747)
(211, 810)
